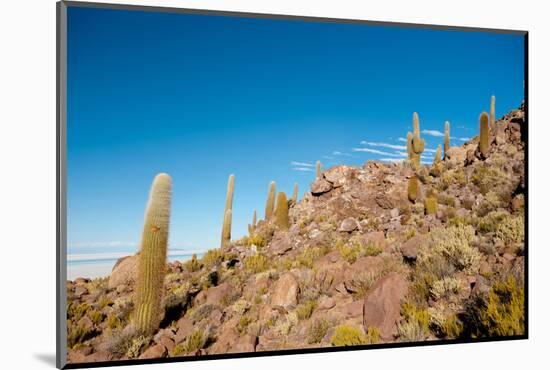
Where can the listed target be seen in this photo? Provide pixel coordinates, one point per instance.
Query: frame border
(61, 188)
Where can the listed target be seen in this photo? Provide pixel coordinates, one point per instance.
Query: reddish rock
(124, 272)
(216, 294)
(79, 291)
(285, 293)
(81, 281)
(339, 175)
(246, 343)
(156, 351)
(167, 343)
(375, 238)
(410, 248)
(280, 244)
(100, 356)
(225, 340)
(320, 186)
(326, 303)
(353, 309)
(348, 225)
(185, 327)
(382, 305)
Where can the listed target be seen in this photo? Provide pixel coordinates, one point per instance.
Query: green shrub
(304, 310)
(95, 316)
(244, 321)
(193, 264)
(310, 255)
(113, 322)
(346, 335)
(212, 257)
(415, 325)
(489, 178)
(197, 340)
(138, 344)
(444, 287)
(255, 264)
(317, 331)
(511, 230)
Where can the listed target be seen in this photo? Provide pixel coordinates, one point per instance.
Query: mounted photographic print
(234, 184)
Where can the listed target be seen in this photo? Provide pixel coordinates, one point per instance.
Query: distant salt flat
(94, 265)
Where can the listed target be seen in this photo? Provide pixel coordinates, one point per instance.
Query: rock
(81, 281)
(384, 201)
(481, 286)
(124, 272)
(185, 327)
(101, 356)
(394, 213)
(456, 154)
(156, 351)
(216, 294)
(375, 238)
(167, 343)
(353, 309)
(167, 332)
(285, 293)
(382, 305)
(348, 225)
(410, 248)
(338, 175)
(246, 343)
(320, 186)
(508, 256)
(280, 244)
(326, 303)
(225, 340)
(79, 291)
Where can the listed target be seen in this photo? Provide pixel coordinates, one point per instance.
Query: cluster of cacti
(318, 169)
(484, 135)
(413, 188)
(492, 113)
(415, 144)
(447, 139)
(430, 203)
(281, 211)
(270, 203)
(226, 228)
(152, 256)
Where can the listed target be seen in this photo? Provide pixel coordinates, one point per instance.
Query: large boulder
(280, 244)
(285, 293)
(410, 248)
(338, 175)
(349, 225)
(456, 154)
(216, 294)
(382, 306)
(124, 272)
(246, 343)
(320, 186)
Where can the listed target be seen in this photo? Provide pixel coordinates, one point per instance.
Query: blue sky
(201, 97)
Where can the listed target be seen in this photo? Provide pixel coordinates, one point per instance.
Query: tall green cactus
(416, 143)
(492, 113)
(412, 190)
(409, 145)
(254, 219)
(270, 203)
(295, 193)
(226, 227)
(281, 212)
(152, 257)
(484, 135)
(318, 169)
(447, 140)
(252, 226)
(437, 166)
(430, 203)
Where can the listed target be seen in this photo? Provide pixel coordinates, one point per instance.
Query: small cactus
(436, 166)
(295, 193)
(409, 145)
(447, 140)
(484, 135)
(252, 226)
(412, 190)
(254, 219)
(226, 234)
(318, 169)
(270, 203)
(152, 257)
(492, 113)
(430, 203)
(281, 212)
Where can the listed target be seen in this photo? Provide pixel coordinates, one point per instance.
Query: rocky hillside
(378, 254)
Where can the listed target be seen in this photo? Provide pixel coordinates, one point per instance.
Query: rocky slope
(360, 264)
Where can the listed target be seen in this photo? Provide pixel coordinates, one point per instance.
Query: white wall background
(27, 181)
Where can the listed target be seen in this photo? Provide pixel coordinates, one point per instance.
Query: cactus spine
(484, 135)
(492, 113)
(270, 203)
(281, 212)
(295, 193)
(152, 257)
(447, 140)
(226, 227)
(412, 190)
(318, 169)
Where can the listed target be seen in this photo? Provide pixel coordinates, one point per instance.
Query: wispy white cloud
(304, 169)
(392, 159)
(336, 152)
(428, 150)
(384, 145)
(328, 157)
(433, 133)
(402, 154)
(464, 138)
(402, 139)
(301, 164)
(376, 151)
